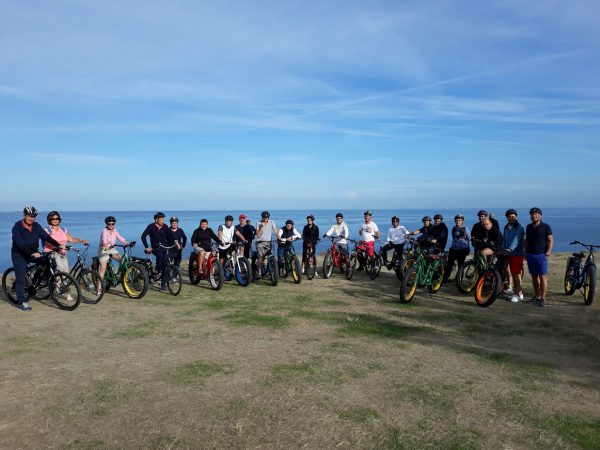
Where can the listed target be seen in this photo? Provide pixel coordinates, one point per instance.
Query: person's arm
(330, 232)
(213, 236)
(120, 238)
(549, 244)
(377, 234)
(70, 238)
(145, 236)
(260, 230)
(296, 234)
(345, 232)
(240, 235)
(280, 235)
(184, 239)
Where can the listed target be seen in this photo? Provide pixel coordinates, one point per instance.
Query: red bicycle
(212, 269)
(335, 258)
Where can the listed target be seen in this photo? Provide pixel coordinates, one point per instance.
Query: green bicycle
(290, 264)
(469, 272)
(427, 271)
(131, 275)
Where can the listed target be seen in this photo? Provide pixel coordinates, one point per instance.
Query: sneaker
(69, 298)
(507, 291)
(541, 302)
(99, 291)
(24, 306)
(521, 297)
(532, 300)
(303, 271)
(514, 299)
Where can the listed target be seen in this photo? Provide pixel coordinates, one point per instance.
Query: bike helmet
(426, 219)
(367, 213)
(229, 217)
(339, 215)
(311, 217)
(30, 211)
(265, 214)
(459, 216)
(510, 211)
(289, 222)
(482, 212)
(535, 210)
(109, 219)
(438, 216)
(174, 219)
(395, 219)
(52, 214)
(159, 215)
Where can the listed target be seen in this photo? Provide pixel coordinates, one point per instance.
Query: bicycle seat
(579, 255)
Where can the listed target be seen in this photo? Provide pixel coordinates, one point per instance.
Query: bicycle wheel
(91, 286)
(273, 272)
(64, 291)
(41, 290)
(351, 266)
(403, 266)
(569, 282)
(488, 287)
(327, 265)
(135, 281)
(228, 270)
(310, 267)
(589, 283)
(296, 270)
(467, 276)
(408, 287)
(216, 276)
(437, 278)
(193, 269)
(373, 266)
(8, 285)
(242, 273)
(174, 279)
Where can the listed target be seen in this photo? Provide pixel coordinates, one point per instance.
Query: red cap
(242, 216)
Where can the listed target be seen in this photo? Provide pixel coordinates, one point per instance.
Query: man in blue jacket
(160, 237)
(514, 236)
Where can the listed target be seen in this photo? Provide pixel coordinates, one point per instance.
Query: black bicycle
(581, 274)
(42, 280)
(173, 275)
(91, 284)
(310, 263)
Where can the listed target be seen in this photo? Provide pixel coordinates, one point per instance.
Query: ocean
(568, 224)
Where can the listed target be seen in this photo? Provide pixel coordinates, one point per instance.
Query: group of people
(534, 242)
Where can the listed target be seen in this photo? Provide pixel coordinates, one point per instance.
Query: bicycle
(173, 273)
(581, 274)
(310, 263)
(358, 256)
(91, 284)
(469, 272)
(236, 264)
(131, 275)
(268, 267)
(212, 269)
(335, 258)
(290, 263)
(492, 279)
(399, 260)
(427, 271)
(42, 280)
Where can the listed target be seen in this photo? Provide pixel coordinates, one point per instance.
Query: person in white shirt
(368, 232)
(395, 240)
(226, 233)
(340, 232)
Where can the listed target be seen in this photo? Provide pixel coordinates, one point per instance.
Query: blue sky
(315, 104)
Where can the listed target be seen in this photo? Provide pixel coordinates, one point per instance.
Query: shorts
(262, 247)
(537, 264)
(369, 247)
(516, 264)
(104, 255)
(198, 250)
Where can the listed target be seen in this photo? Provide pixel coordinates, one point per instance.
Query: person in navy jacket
(160, 237)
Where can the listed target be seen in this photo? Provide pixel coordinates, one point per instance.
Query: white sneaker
(303, 271)
(514, 299)
(508, 291)
(521, 297)
(69, 298)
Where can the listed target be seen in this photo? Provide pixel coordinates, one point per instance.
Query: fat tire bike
(335, 258)
(359, 259)
(237, 265)
(132, 276)
(169, 270)
(290, 264)
(426, 271)
(581, 274)
(212, 269)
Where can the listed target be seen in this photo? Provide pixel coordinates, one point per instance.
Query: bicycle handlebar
(590, 246)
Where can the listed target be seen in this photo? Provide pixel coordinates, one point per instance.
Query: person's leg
(384, 251)
(201, 259)
(20, 265)
(535, 279)
(543, 286)
(451, 258)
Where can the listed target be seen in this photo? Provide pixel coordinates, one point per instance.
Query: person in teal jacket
(514, 237)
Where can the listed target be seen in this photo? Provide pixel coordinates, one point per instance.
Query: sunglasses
(110, 223)
(55, 218)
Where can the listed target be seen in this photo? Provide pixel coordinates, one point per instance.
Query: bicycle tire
(215, 275)
(193, 270)
(8, 285)
(41, 290)
(135, 281)
(589, 283)
(437, 279)
(296, 270)
(327, 265)
(243, 272)
(488, 287)
(569, 280)
(90, 284)
(228, 270)
(310, 268)
(351, 266)
(273, 272)
(467, 277)
(64, 291)
(404, 265)
(174, 279)
(408, 286)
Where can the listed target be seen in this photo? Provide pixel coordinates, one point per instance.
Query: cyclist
(310, 236)
(395, 240)
(425, 233)
(477, 231)
(201, 240)
(62, 236)
(460, 248)
(368, 231)
(490, 240)
(286, 236)
(538, 246)
(226, 233)
(264, 232)
(514, 235)
(439, 233)
(340, 232)
(108, 238)
(160, 236)
(26, 235)
(179, 236)
(248, 232)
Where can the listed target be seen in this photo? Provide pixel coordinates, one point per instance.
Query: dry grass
(328, 363)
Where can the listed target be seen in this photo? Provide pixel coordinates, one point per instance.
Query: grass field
(324, 364)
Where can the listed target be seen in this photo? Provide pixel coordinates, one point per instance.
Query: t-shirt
(268, 229)
(536, 238)
(367, 231)
(227, 236)
(396, 235)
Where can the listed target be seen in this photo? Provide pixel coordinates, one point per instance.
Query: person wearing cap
(247, 231)
(286, 236)
(340, 232)
(538, 246)
(310, 236)
(62, 236)
(514, 235)
(460, 246)
(477, 231)
(368, 232)
(396, 239)
(160, 237)
(227, 234)
(178, 236)
(26, 236)
(439, 233)
(265, 230)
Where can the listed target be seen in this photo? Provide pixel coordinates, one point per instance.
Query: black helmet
(535, 210)
(311, 217)
(395, 219)
(159, 215)
(459, 216)
(265, 214)
(510, 211)
(52, 214)
(339, 215)
(30, 211)
(425, 219)
(438, 216)
(482, 212)
(174, 219)
(109, 219)
(367, 213)
(228, 217)
(289, 222)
